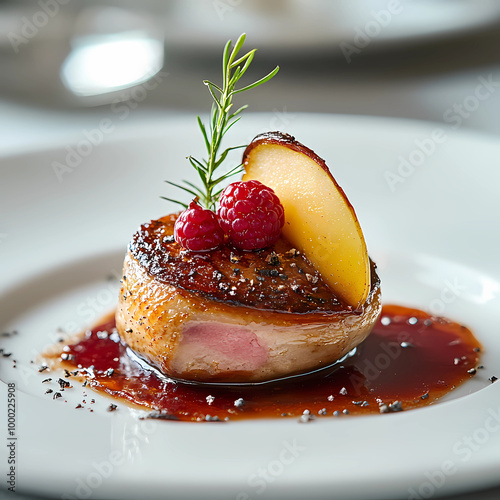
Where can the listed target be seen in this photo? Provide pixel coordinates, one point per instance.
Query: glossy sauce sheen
(410, 359)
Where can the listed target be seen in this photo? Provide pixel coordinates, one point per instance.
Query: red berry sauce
(410, 360)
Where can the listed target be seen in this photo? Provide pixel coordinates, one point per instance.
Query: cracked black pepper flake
(472, 371)
(493, 379)
(273, 259)
(109, 372)
(239, 403)
(78, 406)
(396, 406)
(111, 407)
(6, 354)
(49, 391)
(161, 415)
(477, 349)
(63, 384)
(42, 368)
(424, 396)
(57, 395)
(45, 380)
(284, 277)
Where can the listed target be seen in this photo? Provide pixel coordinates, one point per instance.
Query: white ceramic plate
(435, 236)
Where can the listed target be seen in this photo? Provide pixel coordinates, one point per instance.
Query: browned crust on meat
(277, 278)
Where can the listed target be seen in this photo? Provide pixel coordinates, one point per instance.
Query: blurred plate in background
(301, 25)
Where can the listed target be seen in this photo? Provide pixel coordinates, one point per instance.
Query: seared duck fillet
(232, 316)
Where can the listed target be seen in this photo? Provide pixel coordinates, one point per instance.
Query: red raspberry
(250, 214)
(198, 229)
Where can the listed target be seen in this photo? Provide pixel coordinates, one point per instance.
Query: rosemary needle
(222, 118)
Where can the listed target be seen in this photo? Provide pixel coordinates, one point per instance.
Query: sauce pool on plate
(410, 360)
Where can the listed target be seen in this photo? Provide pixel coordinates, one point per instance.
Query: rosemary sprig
(221, 120)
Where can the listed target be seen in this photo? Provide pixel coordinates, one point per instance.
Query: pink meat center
(229, 347)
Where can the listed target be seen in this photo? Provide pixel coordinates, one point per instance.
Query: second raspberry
(251, 215)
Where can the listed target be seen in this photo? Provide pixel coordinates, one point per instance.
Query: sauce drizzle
(410, 360)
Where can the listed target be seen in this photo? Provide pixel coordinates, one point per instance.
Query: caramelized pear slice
(319, 220)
